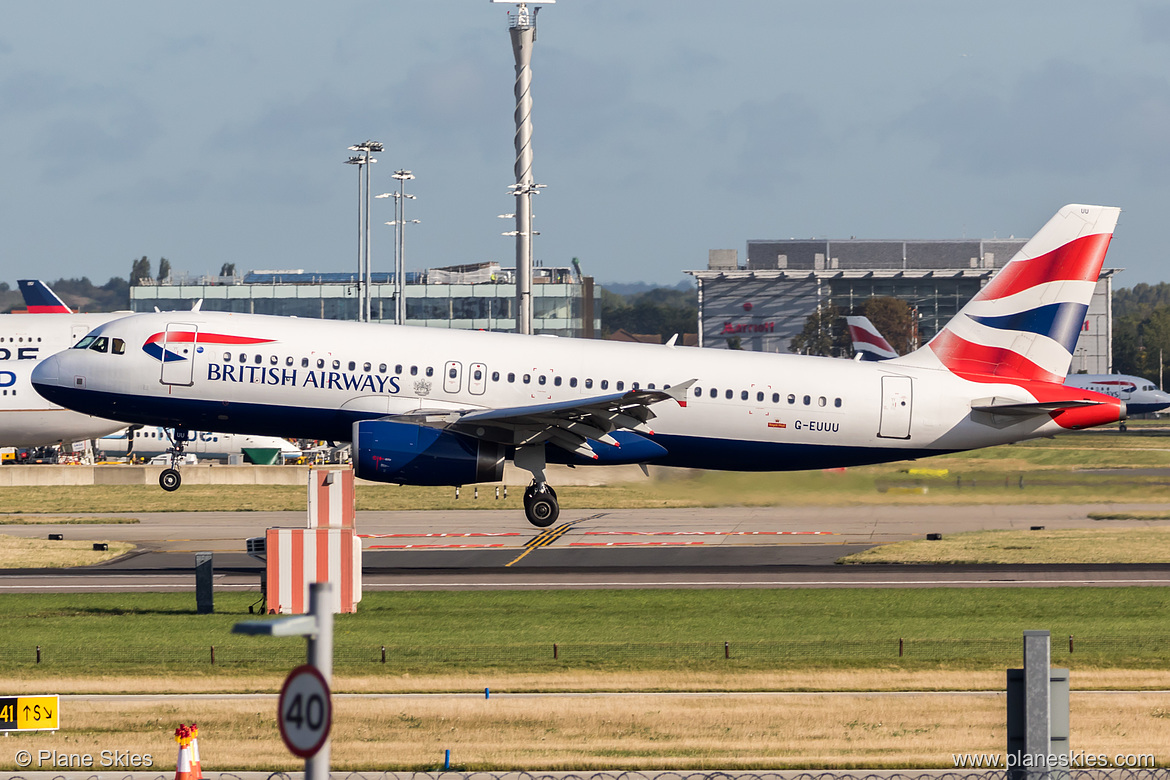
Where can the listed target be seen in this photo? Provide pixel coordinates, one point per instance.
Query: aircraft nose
(47, 371)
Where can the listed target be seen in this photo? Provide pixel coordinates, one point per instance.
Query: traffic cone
(196, 765)
(183, 765)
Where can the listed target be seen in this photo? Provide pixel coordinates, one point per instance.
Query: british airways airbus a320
(446, 407)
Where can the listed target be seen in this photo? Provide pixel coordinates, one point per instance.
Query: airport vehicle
(154, 441)
(868, 343)
(446, 407)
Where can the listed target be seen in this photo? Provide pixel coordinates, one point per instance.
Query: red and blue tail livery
(433, 406)
(39, 299)
(1023, 325)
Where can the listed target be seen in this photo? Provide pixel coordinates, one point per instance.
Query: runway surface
(690, 548)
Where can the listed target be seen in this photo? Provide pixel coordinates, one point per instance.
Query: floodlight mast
(522, 28)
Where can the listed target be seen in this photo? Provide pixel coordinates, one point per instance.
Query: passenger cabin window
(698, 391)
(604, 384)
(714, 393)
(304, 362)
(837, 402)
(414, 370)
(398, 369)
(588, 384)
(807, 400)
(572, 381)
(227, 356)
(526, 379)
(727, 394)
(557, 381)
(381, 368)
(320, 362)
(620, 385)
(273, 360)
(791, 398)
(541, 379)
(511, 377)
(336, 364)
(259, 359)
(288, 361)
(495, 376)
(430, 371)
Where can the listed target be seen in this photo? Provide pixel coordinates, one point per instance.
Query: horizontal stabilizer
(1017, 409)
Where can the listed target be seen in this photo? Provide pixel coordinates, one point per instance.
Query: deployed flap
(567, 424)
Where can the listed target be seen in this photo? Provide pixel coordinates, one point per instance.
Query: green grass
(1038, 471)
(617, 630)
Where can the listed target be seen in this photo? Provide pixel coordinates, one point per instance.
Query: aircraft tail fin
(868, 343)
(39, 299)
(1024, 324)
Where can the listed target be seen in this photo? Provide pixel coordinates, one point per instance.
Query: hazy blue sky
(215, 131)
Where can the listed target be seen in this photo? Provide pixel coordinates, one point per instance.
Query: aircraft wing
(565, 424)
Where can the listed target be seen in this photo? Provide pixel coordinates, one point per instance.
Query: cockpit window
(85, 342)
(100, 344)
(117, 346)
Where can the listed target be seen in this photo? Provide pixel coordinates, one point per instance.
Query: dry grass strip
(20, 553)
(21, 519)
(1073, 546)
(813, 680)
(605, 732)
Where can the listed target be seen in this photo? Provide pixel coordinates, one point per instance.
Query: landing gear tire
(540, 505)
(1123, 428)
(169, 480)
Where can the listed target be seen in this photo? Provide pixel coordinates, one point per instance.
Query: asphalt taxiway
(485, 548)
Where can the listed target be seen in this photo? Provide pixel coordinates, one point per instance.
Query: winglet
(679, 392)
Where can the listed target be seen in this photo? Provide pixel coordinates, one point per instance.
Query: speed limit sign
(305, 711)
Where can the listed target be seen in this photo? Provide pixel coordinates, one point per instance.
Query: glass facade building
(562, 303)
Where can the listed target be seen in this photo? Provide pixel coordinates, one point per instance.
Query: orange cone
(196, 765)
(183, 765)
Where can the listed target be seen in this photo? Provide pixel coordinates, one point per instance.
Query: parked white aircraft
(1141, 396)
(28, 420)
(447, 407)
(152, 440)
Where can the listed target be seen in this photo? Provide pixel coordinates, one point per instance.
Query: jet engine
(385, 451)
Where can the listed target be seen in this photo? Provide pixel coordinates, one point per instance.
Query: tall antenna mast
(522, 28)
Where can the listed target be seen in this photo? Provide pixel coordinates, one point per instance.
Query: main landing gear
(170, 479)
(540, 504)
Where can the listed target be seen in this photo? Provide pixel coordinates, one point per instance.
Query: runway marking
(548, 536)
(633, 544)
(441, 535)
(433, 546)
(711, 533)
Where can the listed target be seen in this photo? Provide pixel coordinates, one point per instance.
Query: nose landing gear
(170, 479)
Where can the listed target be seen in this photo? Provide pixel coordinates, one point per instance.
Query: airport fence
(259, 654)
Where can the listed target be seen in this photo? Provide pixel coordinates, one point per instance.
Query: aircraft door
(477, 381)
(178, 354)
(897, 402)
(452, 376)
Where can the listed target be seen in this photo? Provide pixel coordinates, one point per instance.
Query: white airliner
(27, 419)
(153, 440)
(1141, 396)
(445, 407)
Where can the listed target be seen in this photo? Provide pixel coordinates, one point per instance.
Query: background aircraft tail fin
(39, 299)
(868, 343)
(1024, 324)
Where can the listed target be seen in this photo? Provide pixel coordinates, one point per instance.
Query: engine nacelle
(385, 451)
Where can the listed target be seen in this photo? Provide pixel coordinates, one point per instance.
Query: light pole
(364, 149)
(522, 30)
(400, 221)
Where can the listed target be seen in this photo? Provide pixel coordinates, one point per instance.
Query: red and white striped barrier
(299, 556)
(331, 501)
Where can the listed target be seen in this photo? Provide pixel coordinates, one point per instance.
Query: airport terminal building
(766, 302)
(470, 297)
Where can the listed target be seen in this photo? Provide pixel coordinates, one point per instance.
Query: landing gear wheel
(1123, 428)
(540, 505)
(169, 480)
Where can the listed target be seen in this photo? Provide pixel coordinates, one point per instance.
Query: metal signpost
(305, 711)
